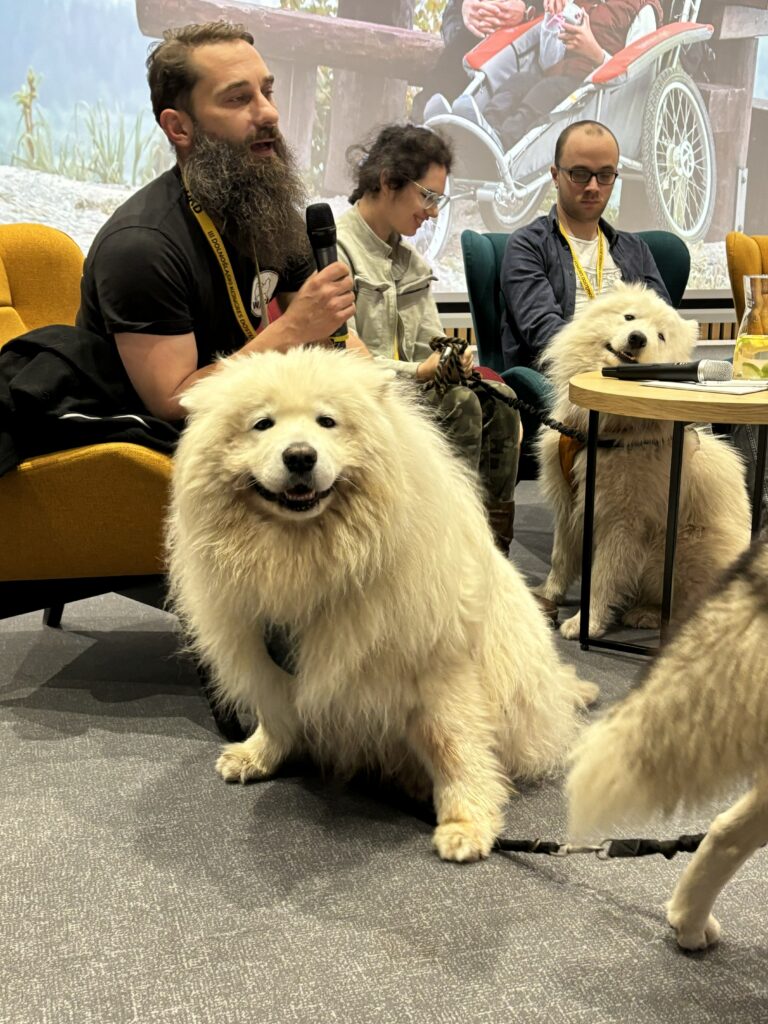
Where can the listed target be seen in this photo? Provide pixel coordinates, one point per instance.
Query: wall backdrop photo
(683, 84)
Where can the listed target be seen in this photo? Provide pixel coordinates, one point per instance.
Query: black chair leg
(226, 719)
(52, 616)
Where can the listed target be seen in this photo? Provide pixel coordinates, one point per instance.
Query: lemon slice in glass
(751, 371)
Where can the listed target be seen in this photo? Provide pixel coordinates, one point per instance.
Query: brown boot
(502, 517)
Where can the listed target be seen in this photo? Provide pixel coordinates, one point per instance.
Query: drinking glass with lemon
(750, 353)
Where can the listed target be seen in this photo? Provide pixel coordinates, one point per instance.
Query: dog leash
(607, 849)
(450, 373)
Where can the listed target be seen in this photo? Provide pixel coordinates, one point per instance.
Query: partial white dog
(631, 324)
(310, 493)
(696, 726)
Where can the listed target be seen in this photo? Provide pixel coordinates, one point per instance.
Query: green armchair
(483, 254)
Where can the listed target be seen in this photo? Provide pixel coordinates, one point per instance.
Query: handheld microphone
(700, 371)
(321, 228)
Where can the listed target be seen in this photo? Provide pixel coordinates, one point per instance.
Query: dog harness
(569, 447)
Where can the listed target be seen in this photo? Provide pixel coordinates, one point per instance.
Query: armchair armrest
(530, 386)
(85, 512)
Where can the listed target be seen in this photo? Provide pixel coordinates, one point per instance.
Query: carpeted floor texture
(137, 887)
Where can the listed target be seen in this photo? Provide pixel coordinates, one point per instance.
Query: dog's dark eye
(326, 421)
(629, 316)
(661, 337)
(264, 424)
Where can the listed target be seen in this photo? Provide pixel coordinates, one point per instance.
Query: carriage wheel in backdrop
(679, 156)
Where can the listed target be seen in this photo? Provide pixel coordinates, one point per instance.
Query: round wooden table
(599, 394)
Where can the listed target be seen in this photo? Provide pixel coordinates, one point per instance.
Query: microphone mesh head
(320, 219)
(715, 369)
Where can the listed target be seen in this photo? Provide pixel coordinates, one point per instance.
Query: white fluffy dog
(697, 725)
(310, 493)
(631, 324)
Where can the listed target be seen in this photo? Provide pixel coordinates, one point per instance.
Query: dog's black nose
(299, 458)
(637, 340)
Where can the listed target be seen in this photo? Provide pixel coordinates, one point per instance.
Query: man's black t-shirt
(150, 270)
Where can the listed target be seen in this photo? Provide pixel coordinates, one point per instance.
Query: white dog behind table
(309, 492)
(631, 324)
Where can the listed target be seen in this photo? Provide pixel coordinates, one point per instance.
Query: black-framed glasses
(583, 175)
(429, 198)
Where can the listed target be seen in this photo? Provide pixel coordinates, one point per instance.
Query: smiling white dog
(310, 492)
(631, 324)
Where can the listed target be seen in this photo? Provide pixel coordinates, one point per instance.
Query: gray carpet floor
(138, 887)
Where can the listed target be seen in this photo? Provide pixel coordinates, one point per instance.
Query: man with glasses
(555, 265)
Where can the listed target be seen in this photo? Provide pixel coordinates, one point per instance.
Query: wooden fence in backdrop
(371, 47)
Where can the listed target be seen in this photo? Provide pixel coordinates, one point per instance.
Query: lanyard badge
(581, 273)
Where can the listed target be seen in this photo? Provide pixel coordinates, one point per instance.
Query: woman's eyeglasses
(583, 175)
(429, 198)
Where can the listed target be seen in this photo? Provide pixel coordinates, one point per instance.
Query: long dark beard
(254, 200)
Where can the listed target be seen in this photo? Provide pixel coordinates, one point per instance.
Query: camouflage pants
(484, 432)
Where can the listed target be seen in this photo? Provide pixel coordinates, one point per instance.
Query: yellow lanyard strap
(211, 233)
(581, 273)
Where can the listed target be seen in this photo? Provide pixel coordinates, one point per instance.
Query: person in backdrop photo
(556, 264)
(399, 183)
(184, 270)
(576, 37)
(464, 24)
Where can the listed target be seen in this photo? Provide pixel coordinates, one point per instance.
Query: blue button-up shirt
(538, 283)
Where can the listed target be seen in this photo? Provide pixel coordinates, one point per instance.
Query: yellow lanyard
(211, 233)
(581, 273)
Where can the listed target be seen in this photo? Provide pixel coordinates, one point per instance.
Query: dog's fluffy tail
(696, 725)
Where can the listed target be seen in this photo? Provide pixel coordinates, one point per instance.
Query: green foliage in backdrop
(102, 145)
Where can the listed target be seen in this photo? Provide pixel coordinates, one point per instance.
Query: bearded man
(184, 270)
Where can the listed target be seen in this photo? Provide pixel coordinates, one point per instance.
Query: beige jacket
(394, 308)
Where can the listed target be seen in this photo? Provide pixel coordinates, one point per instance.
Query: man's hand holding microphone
(319, 311)
(325, 301)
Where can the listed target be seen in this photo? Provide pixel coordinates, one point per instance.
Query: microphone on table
(700, 371)
(321, 228)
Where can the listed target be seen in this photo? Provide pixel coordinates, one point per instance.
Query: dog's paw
(691, 934)
(586, 694)
(643, 617)
(461, 841)
(242, 762)
(571, 628)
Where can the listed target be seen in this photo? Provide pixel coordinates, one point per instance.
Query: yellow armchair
(746, 254)
(83, 521)
(89, 520)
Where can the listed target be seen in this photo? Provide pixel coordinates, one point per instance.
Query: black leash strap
(450, 373)
(668, 848)
(479, 384)
(608, 849)
(531, 846)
